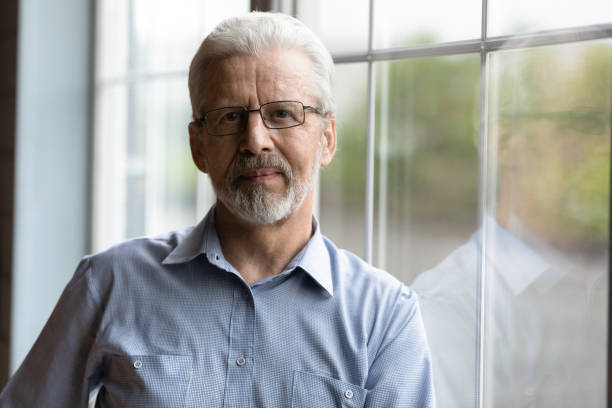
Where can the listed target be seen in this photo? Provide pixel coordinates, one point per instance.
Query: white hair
(254, 33)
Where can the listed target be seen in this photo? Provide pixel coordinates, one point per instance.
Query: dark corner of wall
(8, 80)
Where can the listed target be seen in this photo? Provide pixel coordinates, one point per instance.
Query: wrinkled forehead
(244, 80)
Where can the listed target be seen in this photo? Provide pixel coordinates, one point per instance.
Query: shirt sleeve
(57, 371)
(400, 374)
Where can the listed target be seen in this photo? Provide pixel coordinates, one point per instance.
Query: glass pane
(426, 203)
(404, 23)
(342, 183)
(522, 16)
(168, 191)
(167, 34)
(144, 179)
(342, 25)
(426, 160)
(547, 240)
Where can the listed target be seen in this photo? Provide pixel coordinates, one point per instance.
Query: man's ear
(197, 147)
(329, 141)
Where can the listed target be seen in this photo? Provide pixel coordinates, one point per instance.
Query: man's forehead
(276, 74)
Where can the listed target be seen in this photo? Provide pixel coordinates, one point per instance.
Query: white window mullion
(481, 338)
(369, 190)
(109, 177)
(155, 163)
(383, 154)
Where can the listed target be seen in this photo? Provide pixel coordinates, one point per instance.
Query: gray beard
(254, 203)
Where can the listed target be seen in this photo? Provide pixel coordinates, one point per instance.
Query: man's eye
(231, 116)
(281, 114)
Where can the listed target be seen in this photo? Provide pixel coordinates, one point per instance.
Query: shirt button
(246, 293)
(240, 361)
(137, 364)
(348, 394)
(216, 257)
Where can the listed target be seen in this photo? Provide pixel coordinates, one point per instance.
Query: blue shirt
(168, 322)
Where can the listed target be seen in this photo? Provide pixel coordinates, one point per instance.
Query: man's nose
(256, 138)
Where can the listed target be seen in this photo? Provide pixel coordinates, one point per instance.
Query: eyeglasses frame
(247, 111)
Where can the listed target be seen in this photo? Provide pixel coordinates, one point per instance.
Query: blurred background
(453, 118)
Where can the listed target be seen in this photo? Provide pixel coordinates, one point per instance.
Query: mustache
(247, 161)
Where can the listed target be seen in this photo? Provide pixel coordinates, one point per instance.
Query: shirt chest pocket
(314, 390)
(146, 381)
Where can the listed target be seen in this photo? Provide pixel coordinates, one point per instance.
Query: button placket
(239, 380)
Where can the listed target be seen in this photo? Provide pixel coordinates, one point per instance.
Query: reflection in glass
(546, 244)
(342, 183)
(522, 16)
(342, 25)
(405, 23)
(547, 235)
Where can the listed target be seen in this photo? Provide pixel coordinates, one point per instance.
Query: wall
(51, 228)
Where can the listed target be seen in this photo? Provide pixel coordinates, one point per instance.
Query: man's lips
(259, 174)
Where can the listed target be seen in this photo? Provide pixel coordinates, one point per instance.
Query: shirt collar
(191, 243)
(314, 259)
(517, 262)
(203, 239)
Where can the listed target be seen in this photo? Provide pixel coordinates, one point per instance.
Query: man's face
(262, 175)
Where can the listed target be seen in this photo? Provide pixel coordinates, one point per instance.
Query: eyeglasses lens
(279, 115)
(226, 121)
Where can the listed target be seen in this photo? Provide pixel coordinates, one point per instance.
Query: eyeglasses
(232, 120)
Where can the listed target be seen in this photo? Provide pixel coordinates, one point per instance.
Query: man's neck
(261, 250)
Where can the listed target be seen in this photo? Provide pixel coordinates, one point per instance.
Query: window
(475, 159)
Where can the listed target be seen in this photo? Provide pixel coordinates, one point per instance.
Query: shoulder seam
(88, 277)
(390, 317)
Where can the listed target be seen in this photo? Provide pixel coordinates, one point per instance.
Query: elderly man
(253, 307)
